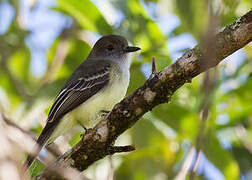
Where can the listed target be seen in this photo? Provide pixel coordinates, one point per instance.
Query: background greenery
(43, 41)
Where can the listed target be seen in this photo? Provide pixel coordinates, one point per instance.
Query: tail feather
(30, 159)
(42, 140)
(35, 152)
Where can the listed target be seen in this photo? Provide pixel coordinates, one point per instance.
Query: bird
(100, 82)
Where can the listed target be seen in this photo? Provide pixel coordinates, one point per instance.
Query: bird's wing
(77, 93)
(71, 96)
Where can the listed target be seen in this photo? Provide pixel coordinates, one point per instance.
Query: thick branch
(97, 142)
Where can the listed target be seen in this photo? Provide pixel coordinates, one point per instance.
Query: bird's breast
(88, 112)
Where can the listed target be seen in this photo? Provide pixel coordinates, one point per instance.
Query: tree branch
(53, 149)
(97, 142)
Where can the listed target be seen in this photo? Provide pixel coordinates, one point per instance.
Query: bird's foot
(85, 129)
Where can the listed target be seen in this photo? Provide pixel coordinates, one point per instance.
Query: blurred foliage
(164, 136)
(87, 15)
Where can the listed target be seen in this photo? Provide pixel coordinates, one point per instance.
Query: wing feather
(76, 94)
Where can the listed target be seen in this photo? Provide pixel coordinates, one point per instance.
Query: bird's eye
(110, 47)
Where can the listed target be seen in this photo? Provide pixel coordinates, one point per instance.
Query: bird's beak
(131, 49)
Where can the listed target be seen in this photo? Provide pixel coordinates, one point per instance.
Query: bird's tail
(31, 157)
(41, 141)
(29, 160)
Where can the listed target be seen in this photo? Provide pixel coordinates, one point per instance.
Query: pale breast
(88, 113)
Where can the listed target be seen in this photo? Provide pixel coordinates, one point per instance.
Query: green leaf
(36, 168)
(77, 53)
(75, 139)
(193, 16)
(140, 29)
(86, 13)
(10, 90)
(136, 78)
(232, 4)
(18, 64)
(238, 105)
(243, 157)
(153, 154)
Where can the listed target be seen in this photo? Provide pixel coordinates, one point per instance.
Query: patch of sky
(4, 98)
(186, 143)
(112, 15)
(221, 106)
(38, 63)
(7, 13)
(226, 136)
(146, 69)
(185, 146)
(222, 119)
(225, 143)
(234, 83)
(233, 62)
(177, 44)
(208, 169)
(150, 8)
(242, 78)
(92, 37)
(43, 153)
(247, 175)
(44, 25)
(167, 22)
(205, 167)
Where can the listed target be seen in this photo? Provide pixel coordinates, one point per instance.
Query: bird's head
(112, 47)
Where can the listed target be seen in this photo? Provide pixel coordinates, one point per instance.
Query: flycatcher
(96, 85)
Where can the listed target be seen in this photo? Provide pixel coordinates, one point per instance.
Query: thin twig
(154, 70)
(58, 60)
(186, 165)
(11, 123)
(242, 134)
(207, 87)
(19, 86)
(53, 149)
(112, 170)
(196, 164)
